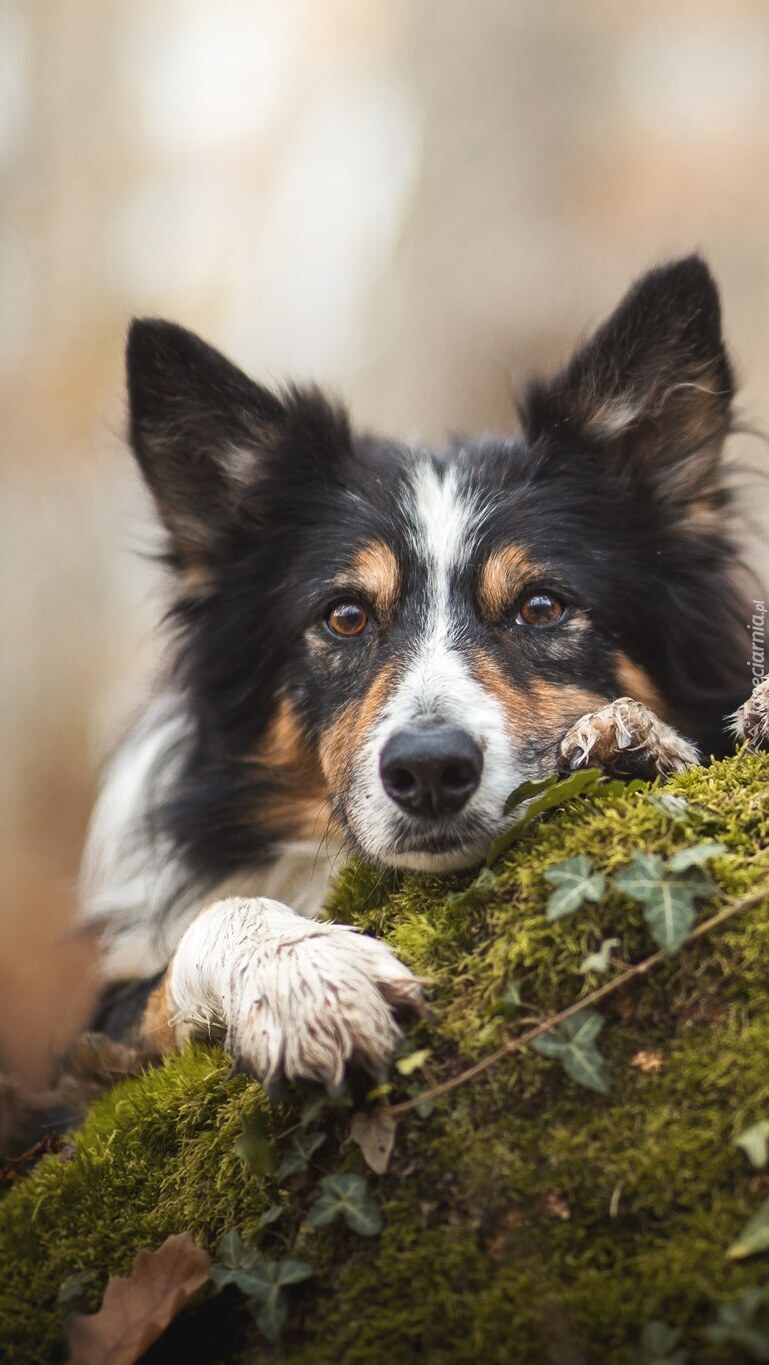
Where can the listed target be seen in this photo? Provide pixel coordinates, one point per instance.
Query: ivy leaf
(347, 1196)
(233, 1251)
(551, 794)
(531, 787)
(303, 1146)
(317, 1105)
(236, 1258)
(313, 1108)
(374, 1133)
(575, 882)
(271, 1317)
(572, 1043)
(617, 786)
(254, 1147)
(668, 898)
(73, 1292)
(737, 1323)
(424, 1108)
(485, 881)
(755, 1143)
(600, 961)
(698, 855)
(508, 1002)
(754, 1236)
(658, 1343)
(264, 1284)
(271, 1215)
(413, 1062)
(266, 1276)
(680, 811)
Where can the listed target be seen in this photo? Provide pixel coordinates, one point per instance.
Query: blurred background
(413, 201)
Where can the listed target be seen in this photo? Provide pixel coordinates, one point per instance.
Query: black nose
(431, 772)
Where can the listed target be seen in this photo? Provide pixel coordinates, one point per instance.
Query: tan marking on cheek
(297, 804)
(283, 745)
(374, 572)
(543, 712)
(636, 683)
(514, 701)
(556, 706)
(350, 730)
(502, 578)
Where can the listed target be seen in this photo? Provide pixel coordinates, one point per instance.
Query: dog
(373, 643)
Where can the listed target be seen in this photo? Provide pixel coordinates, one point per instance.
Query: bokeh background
(413, 201)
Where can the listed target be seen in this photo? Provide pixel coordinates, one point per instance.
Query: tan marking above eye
(503, 576)
(347, 619)
(374, 573)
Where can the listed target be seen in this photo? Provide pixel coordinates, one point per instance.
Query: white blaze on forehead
(445, 517)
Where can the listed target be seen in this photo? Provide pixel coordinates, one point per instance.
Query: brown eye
(540, 609)
(347, 618)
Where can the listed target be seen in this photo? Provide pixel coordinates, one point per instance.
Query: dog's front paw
(751, 720)
(297, 999)
(625, 739)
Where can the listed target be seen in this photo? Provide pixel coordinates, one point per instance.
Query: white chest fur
(130, 880)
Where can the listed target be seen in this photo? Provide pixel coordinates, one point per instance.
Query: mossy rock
(525, 1219)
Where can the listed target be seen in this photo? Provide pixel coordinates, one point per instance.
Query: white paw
(751, 721)
(297, 998)
(626, 739)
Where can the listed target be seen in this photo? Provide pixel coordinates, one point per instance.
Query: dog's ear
(651, 391)
(204, 433)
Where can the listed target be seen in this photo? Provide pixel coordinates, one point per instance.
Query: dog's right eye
(540, 609)
(347, 618)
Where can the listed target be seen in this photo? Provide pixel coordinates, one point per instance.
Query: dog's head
(407, 634)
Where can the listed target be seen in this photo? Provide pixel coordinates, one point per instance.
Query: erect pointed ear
(204, 433)
(651, 390)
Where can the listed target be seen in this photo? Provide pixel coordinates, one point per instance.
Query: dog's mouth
(429, 847)
(438, 855)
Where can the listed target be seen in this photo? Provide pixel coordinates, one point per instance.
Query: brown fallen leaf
(647, 1062)
(374, 1133)
(137, 1309)
(94, 1056)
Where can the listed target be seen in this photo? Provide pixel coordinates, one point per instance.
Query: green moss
(525, 1214)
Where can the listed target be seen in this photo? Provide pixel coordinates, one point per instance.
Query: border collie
(374, 643)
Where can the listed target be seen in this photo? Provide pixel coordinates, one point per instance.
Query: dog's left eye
(540, 609)
(347, 618)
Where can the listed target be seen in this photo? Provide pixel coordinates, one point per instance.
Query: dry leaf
(374, 1133)
(94, 1056)
(647, 1062)
(23, 1112)
(135, 1311)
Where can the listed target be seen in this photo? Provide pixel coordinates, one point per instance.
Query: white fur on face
(437, 687)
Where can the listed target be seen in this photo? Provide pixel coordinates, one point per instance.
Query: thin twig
(524, 1040)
